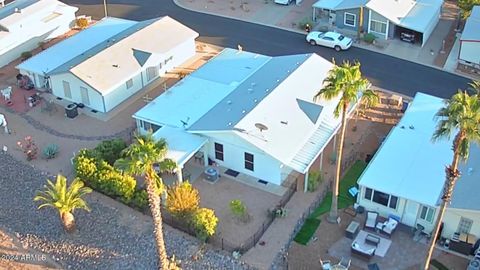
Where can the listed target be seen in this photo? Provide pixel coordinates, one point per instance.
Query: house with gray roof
(252, 114)
(105, 64)
(26, 23)
(386, 19)
(470, 40)
(406, 176)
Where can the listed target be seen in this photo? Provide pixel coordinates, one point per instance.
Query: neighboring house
(406, 176)
(386, 19)
(470, 40)
(250, 113)
(26, 23)
(110, 61)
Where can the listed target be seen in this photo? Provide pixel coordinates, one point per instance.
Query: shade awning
(181, 144)
(327, 4)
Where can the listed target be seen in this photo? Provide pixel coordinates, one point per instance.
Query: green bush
(315, 178)
(238, 209)
(369, 38)
(205, 223)
(110, 150)
(103, 177)
(50, 151)
(140, 199)
(26, 55)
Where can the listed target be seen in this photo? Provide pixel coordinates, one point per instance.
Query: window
(381, 198)
(378, 27)
(129, 83)
(350, 19)
(149, 126)
(248, 161)
(427, 213)
(152, 73)
(219, 151)
(66, 90)
(84, 94)
(368, 194)
(465, 225)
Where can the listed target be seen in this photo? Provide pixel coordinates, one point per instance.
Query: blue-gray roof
(471, 31)
(65, 67)
(465, 194)
(249, 93)
(9, 9)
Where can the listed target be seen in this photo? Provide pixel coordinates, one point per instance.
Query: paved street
(382, 70)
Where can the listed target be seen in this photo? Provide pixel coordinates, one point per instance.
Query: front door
(410, 213)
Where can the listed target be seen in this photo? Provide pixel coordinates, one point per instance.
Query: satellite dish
(261, 127)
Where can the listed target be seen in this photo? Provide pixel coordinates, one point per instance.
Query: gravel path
(111, 236)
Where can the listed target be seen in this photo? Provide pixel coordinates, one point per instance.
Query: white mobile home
(469, 53)
(102, 66)
(406, 176)
(26, 23)
(255, 113)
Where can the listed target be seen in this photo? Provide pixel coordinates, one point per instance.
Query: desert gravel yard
(111, 236)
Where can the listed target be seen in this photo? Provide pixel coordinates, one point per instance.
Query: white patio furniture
(326, 265)
(389, 226)
(371, 220)
(7, 93)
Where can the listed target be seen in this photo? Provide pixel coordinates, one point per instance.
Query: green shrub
(103, 177)
(315, 178)
(182, 200)
(205, 223)
(26, 55)
(369, 38)
(140, 199)
(50, 151)
(110, 150)
(238, 209)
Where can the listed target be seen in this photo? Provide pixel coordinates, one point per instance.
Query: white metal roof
(408, 164)
(411, 14)
(181, 145)
(471, 31)
(74, 46)
(289, 121)
(327, 4)
(339, 4)
(117, 63)
(465, 194)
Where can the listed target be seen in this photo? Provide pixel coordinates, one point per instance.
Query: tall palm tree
(345, 81)
(461, 114)
(140, 158)
(64, 199)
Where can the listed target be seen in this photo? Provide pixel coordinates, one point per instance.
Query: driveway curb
(303, 32)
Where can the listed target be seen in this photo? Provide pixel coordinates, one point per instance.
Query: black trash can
(71, 110)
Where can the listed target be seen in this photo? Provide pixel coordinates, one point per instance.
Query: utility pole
(105, 7)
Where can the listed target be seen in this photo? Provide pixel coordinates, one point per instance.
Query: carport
(326, 6)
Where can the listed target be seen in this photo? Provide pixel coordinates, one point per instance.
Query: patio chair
(326, 265)
(345, 262)
(371, 220)
(390, 225)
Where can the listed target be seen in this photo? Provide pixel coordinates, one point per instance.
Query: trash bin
(211, 174)
(71, 110)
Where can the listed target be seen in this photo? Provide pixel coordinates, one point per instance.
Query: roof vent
(253, 84)
(470, 171)
(229, 123)
(115, 65)
(266, 90)
(284, 122)
(402, 127)
(278, 80)
(261, 127)
(17, 10)
(255, 100)
(411, 127)
(250, 90)
(229, 102)
(244, 111)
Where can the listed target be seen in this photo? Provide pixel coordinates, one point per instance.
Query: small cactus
(50, 151)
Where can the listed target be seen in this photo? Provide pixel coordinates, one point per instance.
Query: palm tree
(475, 85)
(140, 159)
(460, 114)
(345, 81)
(64, 199)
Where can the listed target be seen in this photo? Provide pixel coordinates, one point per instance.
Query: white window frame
(354, 19)
(380, 33)
(129, 84)
(152, 73)
(67, 90)
(425, 215)
(388, 202)
(465, 220)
